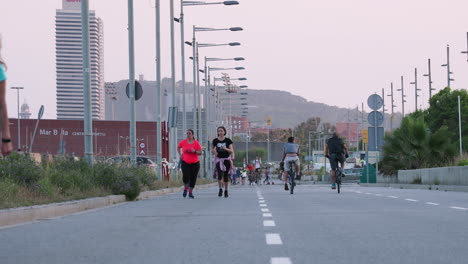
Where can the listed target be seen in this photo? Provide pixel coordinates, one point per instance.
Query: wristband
(6, 140)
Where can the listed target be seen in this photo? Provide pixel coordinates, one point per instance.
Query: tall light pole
(402, 97)
(459, 126)
(19, 122)
(131, 70)
(391, 105)
(182, 42)
(88, 123)
(429, 75)
(416, 88)
(173, 136)
(158, 90)
(449, 79)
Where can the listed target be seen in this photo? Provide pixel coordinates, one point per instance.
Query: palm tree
(414, 146)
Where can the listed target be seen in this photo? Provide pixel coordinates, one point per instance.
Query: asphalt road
(261, 224)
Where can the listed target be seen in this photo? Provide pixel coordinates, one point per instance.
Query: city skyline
(315, 50)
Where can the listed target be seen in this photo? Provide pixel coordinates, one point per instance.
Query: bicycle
(338, 174)
(292, 175)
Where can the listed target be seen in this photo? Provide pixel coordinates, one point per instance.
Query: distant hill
(286, 110)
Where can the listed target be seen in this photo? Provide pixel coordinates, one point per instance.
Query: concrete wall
(387, 179)
(441, 176)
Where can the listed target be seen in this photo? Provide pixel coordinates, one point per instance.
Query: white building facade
(69, 62)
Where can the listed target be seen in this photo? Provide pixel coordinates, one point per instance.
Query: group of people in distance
(223, 150)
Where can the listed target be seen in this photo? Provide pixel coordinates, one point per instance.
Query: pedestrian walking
(223, 150)
(7, 147)
(189, 149)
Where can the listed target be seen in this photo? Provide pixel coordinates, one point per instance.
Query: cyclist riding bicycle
(290, 153)
(336, 150)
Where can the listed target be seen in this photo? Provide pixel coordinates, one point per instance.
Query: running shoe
(220, 193)
(184, 194)
(226, 194)
(286, 188)
(190, 195)
(333, 186)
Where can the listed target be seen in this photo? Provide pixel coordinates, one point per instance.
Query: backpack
(335, 145)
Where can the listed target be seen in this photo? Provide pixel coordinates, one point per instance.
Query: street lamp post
(19, 122)
(448, 67)
(182, 38)
(158, 92)
(402, 97)
(415, 89)
(429, 75)
(88, 123)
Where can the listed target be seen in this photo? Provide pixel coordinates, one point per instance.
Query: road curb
(15, 216)
(451, 188)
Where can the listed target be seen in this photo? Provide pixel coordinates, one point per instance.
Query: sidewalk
(15, 216)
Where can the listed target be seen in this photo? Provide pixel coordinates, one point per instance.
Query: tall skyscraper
(69, 62)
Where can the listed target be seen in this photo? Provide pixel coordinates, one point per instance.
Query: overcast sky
(335, 52)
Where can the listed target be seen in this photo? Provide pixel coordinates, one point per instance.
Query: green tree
(443, 111)
(414, 146)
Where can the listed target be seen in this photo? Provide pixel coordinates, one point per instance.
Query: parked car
(125, 159)
(353, 172)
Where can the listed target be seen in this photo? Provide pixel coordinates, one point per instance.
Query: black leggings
(190, 173)
(224, 174)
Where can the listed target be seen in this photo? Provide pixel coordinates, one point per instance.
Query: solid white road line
(458, 208)
(273, 239)
(267, 215)
(391, 196)
(280, 261)
(265, 210)
(269, 223)
(263, 205)
(411, 200)
(432, 203)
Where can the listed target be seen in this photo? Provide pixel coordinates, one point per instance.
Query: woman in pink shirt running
(189, 149)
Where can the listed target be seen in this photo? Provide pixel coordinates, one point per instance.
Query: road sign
(268, 120)
(380, 138)
(375, 102)
(142, 152)
(138, 90)
(375, 118)
(142, 145)
(41, 112)
(365, 136)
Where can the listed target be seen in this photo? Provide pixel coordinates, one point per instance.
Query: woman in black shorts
(223, 150)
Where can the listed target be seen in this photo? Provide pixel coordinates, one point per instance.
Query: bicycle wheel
(292, 175)
(338, 180)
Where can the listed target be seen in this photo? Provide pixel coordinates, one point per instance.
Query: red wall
(110, 138)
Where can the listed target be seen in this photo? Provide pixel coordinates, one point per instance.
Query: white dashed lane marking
(263, 205)
(267, 215)
(269, 223)
(458, 208)
(411, 200)
(280, 261)
(273, 239)
(391, 196)
(265, 210)
(432, 203)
